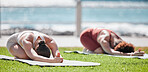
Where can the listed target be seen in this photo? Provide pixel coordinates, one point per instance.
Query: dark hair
(124, 47)
(42, 49)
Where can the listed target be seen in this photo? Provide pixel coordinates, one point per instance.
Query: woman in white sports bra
(34, 45)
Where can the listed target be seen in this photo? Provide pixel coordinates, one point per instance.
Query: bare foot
(99, 51)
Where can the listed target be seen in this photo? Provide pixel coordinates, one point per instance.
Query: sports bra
(36, 35)
(96, 31)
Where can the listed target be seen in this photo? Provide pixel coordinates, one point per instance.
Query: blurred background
(58, 17)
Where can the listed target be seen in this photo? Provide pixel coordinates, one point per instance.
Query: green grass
(108, 63)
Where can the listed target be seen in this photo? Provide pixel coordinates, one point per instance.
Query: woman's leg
(18, 52)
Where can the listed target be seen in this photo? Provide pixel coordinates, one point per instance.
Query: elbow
(109, 52)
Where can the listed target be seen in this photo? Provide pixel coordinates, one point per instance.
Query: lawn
(108, 63)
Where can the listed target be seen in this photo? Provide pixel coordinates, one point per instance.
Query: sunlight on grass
(108, 63)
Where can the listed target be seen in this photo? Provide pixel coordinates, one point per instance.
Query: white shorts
(12, 40)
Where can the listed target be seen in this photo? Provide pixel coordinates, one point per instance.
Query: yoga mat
(145, 56)
(65, 62)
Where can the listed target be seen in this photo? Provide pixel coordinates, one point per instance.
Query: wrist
(132, 54)
(51, 60)
(121, 53)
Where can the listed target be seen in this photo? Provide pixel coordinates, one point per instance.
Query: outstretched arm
(136, 53)
(54, 48)
(106, 47)
(52, 45)
(34, 56)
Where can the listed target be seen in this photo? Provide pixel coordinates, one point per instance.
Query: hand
(58, 59)
(138, 53)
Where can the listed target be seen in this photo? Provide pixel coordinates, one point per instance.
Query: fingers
(142, 52)
(139, 49)
(58, 54)
(61, 60)
(58, 60)
(139, 53)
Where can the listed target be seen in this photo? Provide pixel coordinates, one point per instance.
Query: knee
(18, 52)
(22, 57)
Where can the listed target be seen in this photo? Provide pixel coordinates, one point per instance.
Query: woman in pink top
(100, 41)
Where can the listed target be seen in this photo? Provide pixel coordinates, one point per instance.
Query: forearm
(106, 47)
(121, 53)
(34, 56)
(43, 59)
(54, 48)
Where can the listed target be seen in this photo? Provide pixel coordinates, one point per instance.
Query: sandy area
(72, 41)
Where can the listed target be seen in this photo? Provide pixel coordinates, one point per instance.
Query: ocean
(68, 15)
(118, 19)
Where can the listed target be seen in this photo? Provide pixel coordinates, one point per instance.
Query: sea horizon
(128, 16)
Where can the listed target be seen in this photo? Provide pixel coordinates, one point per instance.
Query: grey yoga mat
(65, 62)
(145, 56)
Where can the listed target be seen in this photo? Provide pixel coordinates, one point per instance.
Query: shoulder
(103, 35)
(27, 38)
(47, 37)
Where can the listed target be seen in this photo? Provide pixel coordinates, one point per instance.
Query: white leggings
(12, 40)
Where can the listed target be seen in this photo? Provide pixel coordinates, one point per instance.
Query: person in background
(104, 41)
(34, 45)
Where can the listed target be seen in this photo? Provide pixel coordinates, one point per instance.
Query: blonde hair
(124, 47)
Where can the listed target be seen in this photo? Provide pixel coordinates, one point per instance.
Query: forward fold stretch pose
(34, 45)
(102, 41)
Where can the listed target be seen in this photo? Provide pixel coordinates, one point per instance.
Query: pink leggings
(87, 41)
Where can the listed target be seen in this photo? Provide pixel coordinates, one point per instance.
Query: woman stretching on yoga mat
(33, 45)
(100, 41)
